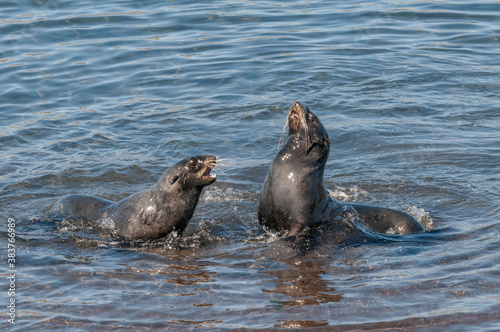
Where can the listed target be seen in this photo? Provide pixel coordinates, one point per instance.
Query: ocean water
(99, 98)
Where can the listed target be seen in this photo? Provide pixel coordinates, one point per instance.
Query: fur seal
(153, 213)
(293, 195)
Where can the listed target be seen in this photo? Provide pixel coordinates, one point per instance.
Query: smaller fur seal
(293, 195)
(153, 213)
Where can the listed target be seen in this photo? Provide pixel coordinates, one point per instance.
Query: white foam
(107, 223)
(422, 216)
(217, 194)
(348, 194)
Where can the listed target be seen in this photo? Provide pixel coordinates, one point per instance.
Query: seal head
(189, 172)
(306, 128)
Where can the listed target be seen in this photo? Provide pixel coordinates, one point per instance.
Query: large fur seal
(293, 196)
(153, 213)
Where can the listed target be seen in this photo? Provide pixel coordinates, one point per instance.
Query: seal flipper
(384, 220)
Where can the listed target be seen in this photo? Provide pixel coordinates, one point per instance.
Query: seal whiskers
(282, 134)
(219, 167)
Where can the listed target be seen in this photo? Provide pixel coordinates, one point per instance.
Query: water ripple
(101, 98)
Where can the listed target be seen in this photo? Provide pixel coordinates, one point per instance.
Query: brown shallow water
(101, 99)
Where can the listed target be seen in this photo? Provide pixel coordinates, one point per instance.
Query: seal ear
(173, 179)
(321, 139)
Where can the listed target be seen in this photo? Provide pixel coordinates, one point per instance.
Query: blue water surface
(99, 98)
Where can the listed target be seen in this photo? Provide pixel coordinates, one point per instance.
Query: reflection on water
(303, 283)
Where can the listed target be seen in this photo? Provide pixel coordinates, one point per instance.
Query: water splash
(348, 194)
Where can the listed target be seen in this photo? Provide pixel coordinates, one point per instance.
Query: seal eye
(193, 163)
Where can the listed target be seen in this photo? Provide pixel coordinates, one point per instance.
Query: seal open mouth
(209, 166)
(297, 117)
(294, 114)
(297, 122)
(305, 126)
(207, 173)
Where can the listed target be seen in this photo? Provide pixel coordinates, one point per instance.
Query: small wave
(422, 217)
(348, 194)
(263, 235)
(218, 194)
(107, 223)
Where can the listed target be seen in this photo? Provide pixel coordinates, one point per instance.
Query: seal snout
(297, 118)
(296, 111)
(297, 105)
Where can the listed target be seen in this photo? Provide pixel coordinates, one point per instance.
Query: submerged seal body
(153, 213)
(293, 195)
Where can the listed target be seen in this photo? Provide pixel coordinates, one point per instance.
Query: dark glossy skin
(293, 195)
(153, 213)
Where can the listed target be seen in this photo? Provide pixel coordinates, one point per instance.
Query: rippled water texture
(100, 97)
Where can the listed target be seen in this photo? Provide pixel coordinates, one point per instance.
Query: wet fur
(153, 213)
(293, 195)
